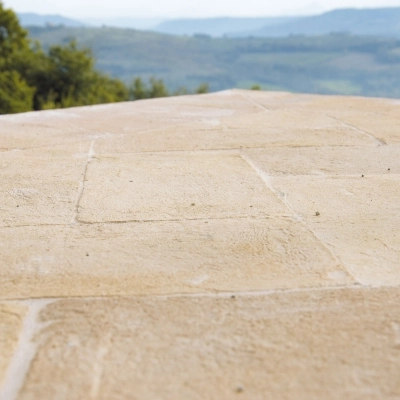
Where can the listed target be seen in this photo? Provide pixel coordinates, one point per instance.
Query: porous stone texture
(11, 320)
(240, 244)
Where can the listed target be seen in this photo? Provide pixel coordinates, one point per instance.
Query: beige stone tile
(279, 100)
(327, 160)
(291, 127)
(110, 121)
(324, 344)
(339, 198)
(257, 129)
(141, 116)
(370, 249)
(41, 186)
(321, 103)
(375, 116)
(172, 186)
(359, 220)
(384, 125)
(234, 99)
(164, 257)
(209, 134)
(11, 320)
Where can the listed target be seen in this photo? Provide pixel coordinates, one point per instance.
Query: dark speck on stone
(193, 204)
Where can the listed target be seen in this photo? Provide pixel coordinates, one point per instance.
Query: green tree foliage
(68, 78)
(12, 36)
(33, 80)
(15, 94)
(139, 90)
(203, 88)
(65, 76)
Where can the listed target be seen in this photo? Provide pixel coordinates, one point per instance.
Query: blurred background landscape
(343, 51)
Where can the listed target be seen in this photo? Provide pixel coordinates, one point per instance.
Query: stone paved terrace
(236, 245)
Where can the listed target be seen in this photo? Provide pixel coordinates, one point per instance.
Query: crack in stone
(254, 102)
(146, 221)
(267, 180)
(30, 225)
(231, 149)
(82, 183)
(25, 352)
(380, 142)
(211, 293)
(184, 219)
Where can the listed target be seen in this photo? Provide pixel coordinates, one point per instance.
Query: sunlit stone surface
(239, 244)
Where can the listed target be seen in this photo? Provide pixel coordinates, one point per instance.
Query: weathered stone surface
(165, 257)
(11, 319)
(345, 199)
(328, 160)
(174, 186)
(370, 249)
(357, 217)
(56, 127)
(236, 244)
(41, 186)
(275, 128)
(326, 344)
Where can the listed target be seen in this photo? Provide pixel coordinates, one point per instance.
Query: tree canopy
(64, 76)
(31, 79)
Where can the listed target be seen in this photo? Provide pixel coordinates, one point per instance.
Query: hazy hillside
(374, 22)
(322, 64)
(124, 22)
(377, 21)
(217, 26)
(30, 19)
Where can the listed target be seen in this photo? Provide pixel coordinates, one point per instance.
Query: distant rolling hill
(125, 22)
(336, 63)
(217, 26)
(374, 22)
(31, 19)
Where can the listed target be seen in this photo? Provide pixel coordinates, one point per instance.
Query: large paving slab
(11, 321)
(165, 257)
(328, 160)
(333, 344)
(174, 186)
(240, 244)
(41, 186)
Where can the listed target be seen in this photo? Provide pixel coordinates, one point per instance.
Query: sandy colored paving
(239, 244)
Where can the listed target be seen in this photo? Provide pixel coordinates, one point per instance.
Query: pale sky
(187, 8)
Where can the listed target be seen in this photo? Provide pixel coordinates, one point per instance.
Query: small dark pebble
(193, 204)
(317, 213)
(232, 297)
(239, 389)
(17, 206)
(388, 169)
(362, 176)
(87, 254)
